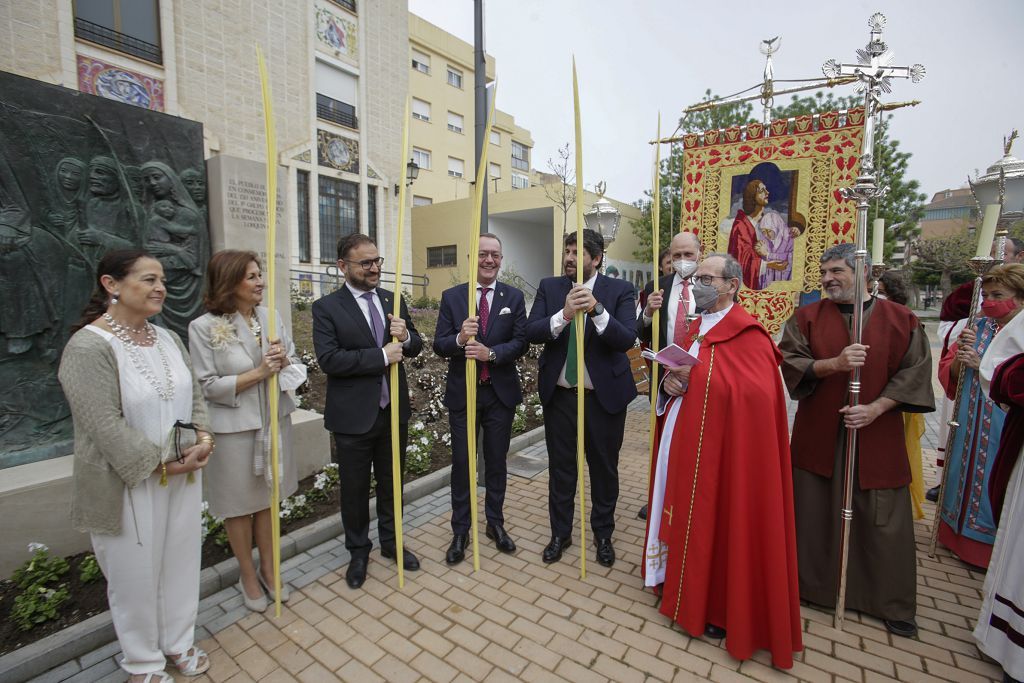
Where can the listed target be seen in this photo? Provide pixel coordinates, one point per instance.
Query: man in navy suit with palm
(610, 307)
(494, 339)
(352, 332)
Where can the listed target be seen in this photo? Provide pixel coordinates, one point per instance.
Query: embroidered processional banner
(774, 203)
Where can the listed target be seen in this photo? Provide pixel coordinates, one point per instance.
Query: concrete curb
(68, 644)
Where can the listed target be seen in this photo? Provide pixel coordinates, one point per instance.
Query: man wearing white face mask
(722, 478)
(684, 252)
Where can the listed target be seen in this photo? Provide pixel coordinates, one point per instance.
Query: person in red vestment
(721, 539)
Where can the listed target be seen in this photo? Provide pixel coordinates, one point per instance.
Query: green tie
(570, 360)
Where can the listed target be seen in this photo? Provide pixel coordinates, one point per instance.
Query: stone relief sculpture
(80, 175)
(194, 181)
(177, 237)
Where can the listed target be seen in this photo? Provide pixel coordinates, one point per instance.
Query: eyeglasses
(708, 279)
(368, 263)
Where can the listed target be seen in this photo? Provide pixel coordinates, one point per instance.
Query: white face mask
(881, 296)
(684, 268)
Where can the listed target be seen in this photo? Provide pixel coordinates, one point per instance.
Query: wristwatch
(597, 310)
(491, 355)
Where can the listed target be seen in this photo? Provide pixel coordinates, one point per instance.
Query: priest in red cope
(721, 538)
(896, 377)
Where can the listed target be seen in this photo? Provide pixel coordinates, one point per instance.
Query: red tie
(485, 312)
(682, 324)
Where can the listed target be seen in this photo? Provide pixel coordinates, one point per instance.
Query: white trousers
(152, 571)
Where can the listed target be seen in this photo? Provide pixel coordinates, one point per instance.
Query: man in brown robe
(896, 373)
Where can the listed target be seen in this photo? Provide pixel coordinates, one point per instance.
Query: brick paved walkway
(519, 619)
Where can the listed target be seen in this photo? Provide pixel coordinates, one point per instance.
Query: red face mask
(998, 309)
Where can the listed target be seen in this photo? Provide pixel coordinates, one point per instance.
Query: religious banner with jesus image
(773, 202)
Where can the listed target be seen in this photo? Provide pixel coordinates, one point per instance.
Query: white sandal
(189, 664)
(156, 677)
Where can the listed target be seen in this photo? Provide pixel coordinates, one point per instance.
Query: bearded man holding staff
(608, 384)
(896, 367)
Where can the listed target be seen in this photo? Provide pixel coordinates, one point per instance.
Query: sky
(636, 59)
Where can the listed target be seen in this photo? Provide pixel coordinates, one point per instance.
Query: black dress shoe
(906, 629)
(932, 494)
(457, 550)
(502, 541)
(643, 513)
(553, 551)
(712, 631)
(409, 561)
(605, 551)
(356, 573)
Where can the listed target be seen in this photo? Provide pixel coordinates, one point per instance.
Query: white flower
(222, 333)
(418, 425)
(36, 547)
(300, 500)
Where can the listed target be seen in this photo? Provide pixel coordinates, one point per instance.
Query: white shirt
(364, 307)
(671, 306)
(559, 324)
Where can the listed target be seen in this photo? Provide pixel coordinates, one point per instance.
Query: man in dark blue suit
(494, 339)
(607, 381)
(352, 331)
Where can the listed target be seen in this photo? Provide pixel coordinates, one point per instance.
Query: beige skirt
(232, 489)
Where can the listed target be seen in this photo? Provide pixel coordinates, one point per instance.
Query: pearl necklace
(124, 333)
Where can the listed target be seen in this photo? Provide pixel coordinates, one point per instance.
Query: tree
(562, 192)
(943, 261)
(902, 208)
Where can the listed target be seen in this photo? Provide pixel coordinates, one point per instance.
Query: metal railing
(108, 37)
(336, 111)
(330, 279)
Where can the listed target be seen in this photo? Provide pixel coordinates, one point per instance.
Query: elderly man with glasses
(720, 546)
(353, 329)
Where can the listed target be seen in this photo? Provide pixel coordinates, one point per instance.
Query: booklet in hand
(672, 357)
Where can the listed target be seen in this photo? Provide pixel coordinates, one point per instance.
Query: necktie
(682, 325)
(485, 314)
(377, 327)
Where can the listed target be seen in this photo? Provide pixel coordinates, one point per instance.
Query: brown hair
(225, 271)
(350, 242)
(117, 264)
(1010, 275)
(750, 196)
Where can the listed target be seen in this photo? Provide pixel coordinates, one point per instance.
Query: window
(455, 78)
(495, 170)
(420, 109)
(456, 167)
(335, 91)
(129, 26)
(421, 201)
(421, 157)
(421, 62)
(520, 181)
(455, 122)
(302, 192)
(339, 214)
(371, 211)
(442, 257)
(350, 5)
(495, 138)
(520, 156)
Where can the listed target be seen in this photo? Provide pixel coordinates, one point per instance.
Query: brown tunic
(882, 569)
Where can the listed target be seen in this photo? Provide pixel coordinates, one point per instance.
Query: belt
(573, 389)
(484, 382)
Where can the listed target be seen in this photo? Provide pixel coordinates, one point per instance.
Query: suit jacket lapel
(249, 342)
(351, 306)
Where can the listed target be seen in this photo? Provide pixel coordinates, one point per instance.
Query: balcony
(108, 37)
(337, 112)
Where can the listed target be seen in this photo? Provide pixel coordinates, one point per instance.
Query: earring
(113, 299)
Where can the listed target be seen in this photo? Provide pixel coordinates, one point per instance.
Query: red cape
(742, 239)
(740, 557)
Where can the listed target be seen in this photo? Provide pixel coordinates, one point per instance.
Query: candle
(878, 242)
(987, 233)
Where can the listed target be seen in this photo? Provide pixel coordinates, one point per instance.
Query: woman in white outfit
(140, 445)
(234, 358)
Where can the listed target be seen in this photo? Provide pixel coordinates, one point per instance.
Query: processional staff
(874, 72)
(579, 321)
(656, 320)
